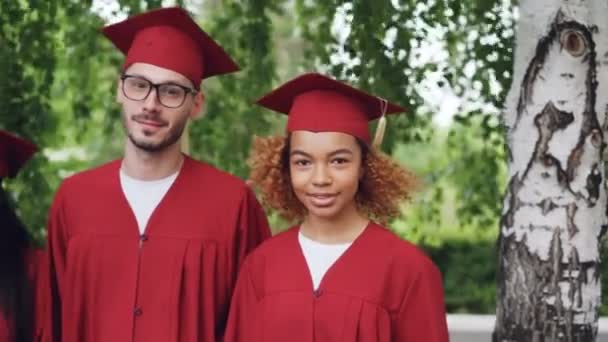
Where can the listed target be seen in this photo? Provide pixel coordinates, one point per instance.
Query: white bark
(555, 205)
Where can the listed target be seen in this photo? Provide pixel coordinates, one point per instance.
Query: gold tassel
(380, 129)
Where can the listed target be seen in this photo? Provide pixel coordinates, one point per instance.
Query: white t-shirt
(320, 256)
(144, 196)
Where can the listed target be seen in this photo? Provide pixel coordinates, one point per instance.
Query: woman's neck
(343, 229)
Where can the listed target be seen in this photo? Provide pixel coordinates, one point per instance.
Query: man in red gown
(148, 247)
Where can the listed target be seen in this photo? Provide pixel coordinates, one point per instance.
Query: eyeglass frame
(155, 86)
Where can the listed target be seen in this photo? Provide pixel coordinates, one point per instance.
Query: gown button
(317, 293)
(143, 238)
(137, 312)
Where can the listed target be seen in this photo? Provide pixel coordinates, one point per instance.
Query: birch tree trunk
(554, 211)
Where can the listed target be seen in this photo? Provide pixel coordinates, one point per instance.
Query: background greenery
(58, 78)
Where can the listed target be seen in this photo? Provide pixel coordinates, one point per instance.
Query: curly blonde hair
(384, 186)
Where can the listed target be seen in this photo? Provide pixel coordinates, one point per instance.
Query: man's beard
(171, 138)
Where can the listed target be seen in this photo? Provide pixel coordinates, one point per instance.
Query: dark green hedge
(469, 276)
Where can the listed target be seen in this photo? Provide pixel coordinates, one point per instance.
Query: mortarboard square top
(14, 152)
(170, 39)
(318, 103)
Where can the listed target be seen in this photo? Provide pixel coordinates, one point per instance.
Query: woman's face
(325, 169)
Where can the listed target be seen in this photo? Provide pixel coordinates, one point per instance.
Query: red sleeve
(242, 324)
(38, 276)
(57, 239)
(422, 313)
(253, 227)
(252, 230)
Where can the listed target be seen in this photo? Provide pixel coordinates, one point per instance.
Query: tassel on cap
(381, 128)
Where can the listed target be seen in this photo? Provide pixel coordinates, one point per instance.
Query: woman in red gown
(339, 274)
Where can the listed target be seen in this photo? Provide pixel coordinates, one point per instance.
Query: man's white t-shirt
(144, 196)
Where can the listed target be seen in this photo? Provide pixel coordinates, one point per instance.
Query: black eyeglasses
(170, 95)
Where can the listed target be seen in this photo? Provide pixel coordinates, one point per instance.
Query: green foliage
(468, 266)
(478, 170)
(26, 76)
(58, 82)
(371, 63)
(478, 37)
(470, 289)
(223, 136)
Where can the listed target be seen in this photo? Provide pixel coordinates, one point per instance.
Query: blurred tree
(554, 211)
(26, 78)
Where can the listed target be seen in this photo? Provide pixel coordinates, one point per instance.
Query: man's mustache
(149, 117)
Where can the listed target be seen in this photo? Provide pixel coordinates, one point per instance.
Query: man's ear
(197, 109)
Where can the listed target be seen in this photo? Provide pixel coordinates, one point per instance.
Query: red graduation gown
(172, 284)
(382, 289)
(39, 281)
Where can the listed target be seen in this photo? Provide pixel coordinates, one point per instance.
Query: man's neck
(144, 165)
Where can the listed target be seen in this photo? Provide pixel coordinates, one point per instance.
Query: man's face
(150, 125)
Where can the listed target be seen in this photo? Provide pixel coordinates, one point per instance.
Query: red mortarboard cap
(170, 39)
(14, 152)
(317, 103)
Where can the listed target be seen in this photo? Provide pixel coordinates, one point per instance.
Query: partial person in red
(338, 275)
(22, 305)
(148, 247)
